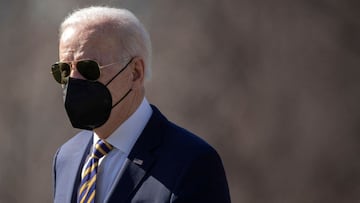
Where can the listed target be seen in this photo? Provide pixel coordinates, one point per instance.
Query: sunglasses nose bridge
(72, 66)
(74, 73)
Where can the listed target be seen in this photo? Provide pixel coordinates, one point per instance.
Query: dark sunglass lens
(60, 72)
(65, 69)
(88, 69)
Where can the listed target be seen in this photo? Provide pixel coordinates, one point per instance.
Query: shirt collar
(125, 136)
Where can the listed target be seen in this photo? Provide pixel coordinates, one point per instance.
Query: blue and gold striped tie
(88, 181)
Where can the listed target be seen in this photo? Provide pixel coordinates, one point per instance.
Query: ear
(138, 73)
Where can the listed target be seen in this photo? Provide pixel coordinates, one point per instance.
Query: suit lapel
(75, 156)
(130, 179)
(139, 162)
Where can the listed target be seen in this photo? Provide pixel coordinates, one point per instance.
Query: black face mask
(88, 104)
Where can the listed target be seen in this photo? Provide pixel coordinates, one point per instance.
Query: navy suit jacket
(177, 166)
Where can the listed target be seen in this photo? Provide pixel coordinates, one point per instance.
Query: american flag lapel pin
(138, 161)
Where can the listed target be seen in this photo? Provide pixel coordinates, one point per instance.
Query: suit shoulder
(172, 134)
(78, 141)
(80, 138)
(188, 143)
(73, 148)
(175, 143)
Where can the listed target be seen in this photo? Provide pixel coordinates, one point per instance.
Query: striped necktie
(88, 181)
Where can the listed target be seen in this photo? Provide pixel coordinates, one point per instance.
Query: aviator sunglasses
(89, 69)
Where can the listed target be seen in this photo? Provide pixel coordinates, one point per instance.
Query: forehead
(91, 42)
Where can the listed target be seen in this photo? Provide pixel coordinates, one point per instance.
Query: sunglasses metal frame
(61, 76)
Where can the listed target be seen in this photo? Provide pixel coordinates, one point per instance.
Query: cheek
(118, 80)
(105, 76)
(119, 87)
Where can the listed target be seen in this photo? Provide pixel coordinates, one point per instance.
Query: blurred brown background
(272, 85)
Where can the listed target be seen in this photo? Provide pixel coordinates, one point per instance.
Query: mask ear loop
(128, 92)
(122, 98)
(119, 72)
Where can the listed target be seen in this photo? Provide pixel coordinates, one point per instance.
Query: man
(128, 151)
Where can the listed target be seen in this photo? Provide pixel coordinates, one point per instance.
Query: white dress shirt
(122, 139)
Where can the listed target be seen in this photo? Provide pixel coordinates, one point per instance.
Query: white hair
(135, 40)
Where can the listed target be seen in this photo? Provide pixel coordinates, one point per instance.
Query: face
(88, 43)
(78, 44)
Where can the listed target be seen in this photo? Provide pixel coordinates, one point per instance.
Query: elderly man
(128, 151)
